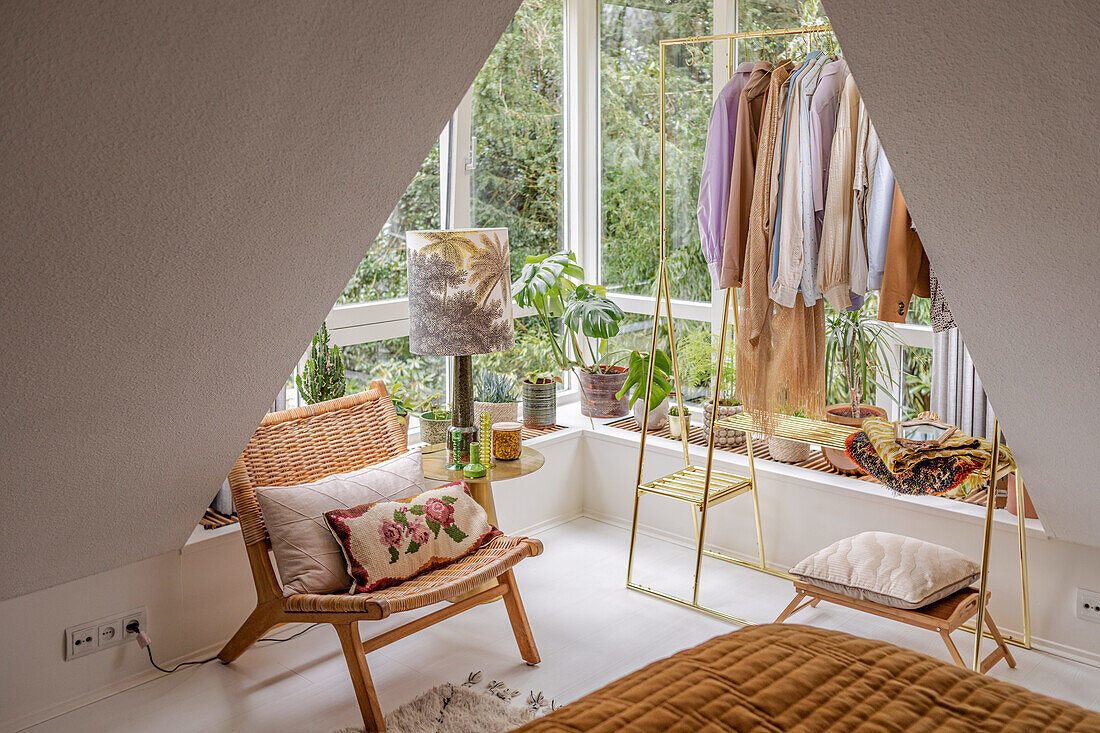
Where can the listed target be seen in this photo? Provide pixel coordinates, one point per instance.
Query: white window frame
(358, 323)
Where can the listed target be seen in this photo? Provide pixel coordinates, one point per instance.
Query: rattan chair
(307, 443)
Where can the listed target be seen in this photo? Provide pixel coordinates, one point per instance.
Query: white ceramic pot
(678, 425)
(658, 416)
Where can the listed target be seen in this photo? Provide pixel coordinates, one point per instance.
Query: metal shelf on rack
(803, 429)
(688, 485)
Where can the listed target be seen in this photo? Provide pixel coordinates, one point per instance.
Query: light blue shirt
(774, 271)
(880, 205)
(810, 233)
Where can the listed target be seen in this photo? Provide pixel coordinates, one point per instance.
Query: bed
(788, 677)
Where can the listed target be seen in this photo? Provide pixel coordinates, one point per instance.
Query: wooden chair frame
(943, 616)
(307, 443)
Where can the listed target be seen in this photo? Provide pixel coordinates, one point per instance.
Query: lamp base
(462, 405)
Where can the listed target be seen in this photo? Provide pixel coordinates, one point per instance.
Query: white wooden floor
(590, 630)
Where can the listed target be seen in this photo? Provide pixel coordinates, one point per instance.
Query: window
(381, 274)
(630, 143)
(517, 130)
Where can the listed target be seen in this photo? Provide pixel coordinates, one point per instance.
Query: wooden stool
(943, 616)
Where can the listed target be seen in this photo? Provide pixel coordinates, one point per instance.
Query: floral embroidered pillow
(388, 542)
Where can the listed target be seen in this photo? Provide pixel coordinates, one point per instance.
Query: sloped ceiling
(990, 115)
(186, 189)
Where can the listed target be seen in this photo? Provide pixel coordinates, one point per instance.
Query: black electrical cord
(134, 628)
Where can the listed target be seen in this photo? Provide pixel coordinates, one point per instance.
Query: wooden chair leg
(360, 676)
(793, 607)
(520, 627)
(259, 622)
(953, 649)
(999, 639)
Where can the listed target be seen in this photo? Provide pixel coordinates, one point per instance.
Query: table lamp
(460, 304)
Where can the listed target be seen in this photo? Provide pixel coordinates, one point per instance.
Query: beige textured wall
(990, 115)
(186, 189)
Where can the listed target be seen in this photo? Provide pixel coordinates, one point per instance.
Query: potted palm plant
(856, 356)
(552, 285)
(496, 394)
(634, 388)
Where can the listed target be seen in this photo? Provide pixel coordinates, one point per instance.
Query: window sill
(819, 481)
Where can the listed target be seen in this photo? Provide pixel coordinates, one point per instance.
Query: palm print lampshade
(460, 295)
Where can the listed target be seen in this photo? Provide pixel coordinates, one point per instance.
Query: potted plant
(695, 354)
(540, 399)
(728, 405)
(404, 403)
(679, 423)
(856, 354)
(497, 395)
(322, 377)
(434, 421)
(634, 388)
(787, 450)
(552, 285)
(592, 315)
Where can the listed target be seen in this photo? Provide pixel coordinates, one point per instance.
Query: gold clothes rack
(705, 487)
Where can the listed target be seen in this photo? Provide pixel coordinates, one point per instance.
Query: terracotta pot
(677, 425)
(498, 411)
(722, 436)
(788, 451)
(840, 414)
(598, 392)
(658, 416)
(1029, 508)
(540, 404)
(434, 429)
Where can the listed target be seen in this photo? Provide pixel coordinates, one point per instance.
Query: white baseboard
(1084, 656)
(534, 529)
(134, 680)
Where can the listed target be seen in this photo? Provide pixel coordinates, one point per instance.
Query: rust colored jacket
(750, 110)
(906, 272)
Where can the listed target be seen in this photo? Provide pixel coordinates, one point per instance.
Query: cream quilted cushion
(889, 569)
(308, 558)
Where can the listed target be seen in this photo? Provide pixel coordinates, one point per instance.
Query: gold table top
(435, 465)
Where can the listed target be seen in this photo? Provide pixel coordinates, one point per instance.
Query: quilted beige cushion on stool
(889, 569)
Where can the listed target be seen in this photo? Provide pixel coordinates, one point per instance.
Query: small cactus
(322, 378)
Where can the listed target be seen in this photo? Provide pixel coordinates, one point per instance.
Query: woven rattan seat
(432, 587)
(297, 446)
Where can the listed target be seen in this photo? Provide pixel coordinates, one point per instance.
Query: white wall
(196, 598)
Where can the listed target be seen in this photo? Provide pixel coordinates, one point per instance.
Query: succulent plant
(322, 377)
(491, 387)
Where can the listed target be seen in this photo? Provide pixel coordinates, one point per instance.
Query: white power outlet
(103, 633)
(1088, 605)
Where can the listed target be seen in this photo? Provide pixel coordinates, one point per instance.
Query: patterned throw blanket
(948, 469)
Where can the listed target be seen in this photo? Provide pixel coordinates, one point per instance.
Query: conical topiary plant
(322, 378)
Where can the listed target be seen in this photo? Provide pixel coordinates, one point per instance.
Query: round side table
(435, 468)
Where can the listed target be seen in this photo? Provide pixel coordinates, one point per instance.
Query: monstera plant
(553, 286)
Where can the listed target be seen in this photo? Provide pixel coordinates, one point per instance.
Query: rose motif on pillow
(390, 533)
(440, 511)
(419, 534)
